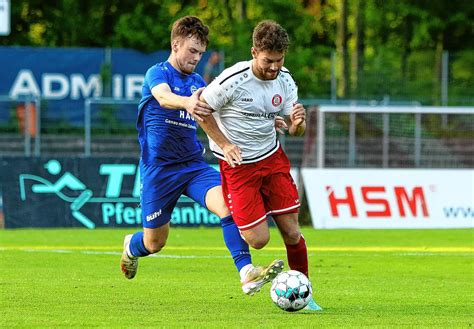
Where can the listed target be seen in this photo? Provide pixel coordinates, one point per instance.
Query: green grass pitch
(362, 278)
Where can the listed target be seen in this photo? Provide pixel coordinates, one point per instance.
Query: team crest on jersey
(193, 89)
(276, 100)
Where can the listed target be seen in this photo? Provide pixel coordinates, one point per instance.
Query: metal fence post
(26, 130)
(333, 77)
(38, 127)
(352, 139)
(444, 85)
(108, 65)
(321, 138)
(417, 139)
(87, 127)
(385, 141)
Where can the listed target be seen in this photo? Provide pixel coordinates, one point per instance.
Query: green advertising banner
(81, 192)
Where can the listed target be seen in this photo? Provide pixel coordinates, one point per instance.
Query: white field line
(421, 249)
(312, 252)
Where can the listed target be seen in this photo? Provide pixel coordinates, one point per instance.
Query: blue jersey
(167, 136)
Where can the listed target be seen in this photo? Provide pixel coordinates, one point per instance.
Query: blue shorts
(163, 185)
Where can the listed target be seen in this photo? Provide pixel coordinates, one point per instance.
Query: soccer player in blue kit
(172, 162)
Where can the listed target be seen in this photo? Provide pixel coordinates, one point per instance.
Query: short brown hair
(269, 35)
(190, 26)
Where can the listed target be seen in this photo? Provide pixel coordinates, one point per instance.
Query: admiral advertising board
(64, 77)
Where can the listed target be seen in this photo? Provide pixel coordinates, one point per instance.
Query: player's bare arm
(192, 104)
(296, 121)
(232, 152)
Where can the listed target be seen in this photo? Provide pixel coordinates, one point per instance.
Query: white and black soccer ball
(291, 291)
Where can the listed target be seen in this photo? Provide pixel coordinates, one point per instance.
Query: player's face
(188, 52)
(267, 64)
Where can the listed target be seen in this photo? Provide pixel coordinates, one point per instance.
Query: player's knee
(215, 202)
(292, 237)
(221, 210)
(154, 246)
(259, 243)
(218, 207)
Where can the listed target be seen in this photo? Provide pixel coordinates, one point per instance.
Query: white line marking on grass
(400, 249)
(423, 254)
(397, 254)
(320, 253)
(114, 253)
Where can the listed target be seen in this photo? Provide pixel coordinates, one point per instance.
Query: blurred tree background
(381, 47)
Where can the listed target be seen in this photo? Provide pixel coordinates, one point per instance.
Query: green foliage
(146, 26)
(11, 125)
(107, 118)
(402, 47)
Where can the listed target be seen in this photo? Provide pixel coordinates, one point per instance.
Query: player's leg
(281, 198)
(295, 243)
(258, 276)
(252, 278)
(296, 250)
(241, 190)
(156, 214)
(238, 248)
(149, 241)
(205, 189)
(141, 244)
(257, 236)
(241, 193)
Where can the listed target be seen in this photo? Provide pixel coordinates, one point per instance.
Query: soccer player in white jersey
(171, 161)
(247, 98)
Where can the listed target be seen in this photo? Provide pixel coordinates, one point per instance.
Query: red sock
(298, 256)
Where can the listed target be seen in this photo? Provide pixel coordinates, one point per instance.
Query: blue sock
(239, 249)
(137, 247)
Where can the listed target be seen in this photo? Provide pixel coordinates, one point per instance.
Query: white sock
(244, 270)
(127, 250)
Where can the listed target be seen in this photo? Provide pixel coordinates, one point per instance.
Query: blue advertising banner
(81, 192)
(65, 77)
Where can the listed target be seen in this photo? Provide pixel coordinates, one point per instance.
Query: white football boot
(128, 264)
(256, 277)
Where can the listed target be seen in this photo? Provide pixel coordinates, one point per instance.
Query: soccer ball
(291, 291)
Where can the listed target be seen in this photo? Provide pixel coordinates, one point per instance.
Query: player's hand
(197, 108)
(280, 125)
(298, 114)
(232, 154)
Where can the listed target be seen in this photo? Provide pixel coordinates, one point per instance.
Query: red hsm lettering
(405, 201)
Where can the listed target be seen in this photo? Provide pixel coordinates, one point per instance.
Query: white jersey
(246, 108)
